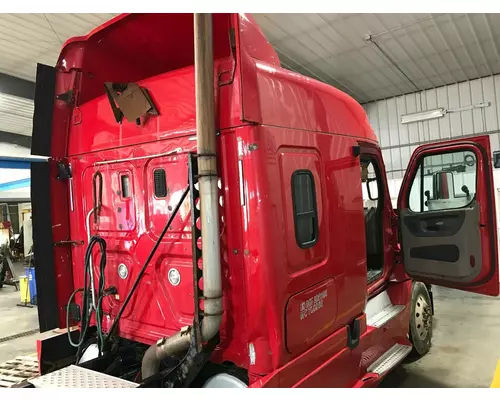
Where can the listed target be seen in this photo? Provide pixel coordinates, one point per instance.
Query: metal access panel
(75, 377)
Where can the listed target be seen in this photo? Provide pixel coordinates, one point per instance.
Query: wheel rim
(422, 318)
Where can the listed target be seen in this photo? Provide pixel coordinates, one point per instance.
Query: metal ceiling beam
(478, 44)
(462, 43)
(17, 86)
(350, 40)
(408, 54)
(418, 21)
(14, 138)
(452, 52)
(490, 33)
(438, 53)
(369, 39)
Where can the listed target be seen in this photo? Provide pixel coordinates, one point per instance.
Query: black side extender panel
(44, 104)
(42, 244)
(40, 198)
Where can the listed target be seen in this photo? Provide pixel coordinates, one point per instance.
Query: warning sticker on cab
(310, 315)
(313, 304)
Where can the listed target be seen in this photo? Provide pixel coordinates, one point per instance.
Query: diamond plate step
(385, 315)
(389, 359)
(79, 378)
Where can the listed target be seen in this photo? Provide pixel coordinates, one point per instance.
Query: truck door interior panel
(447, 216)
(442, 246)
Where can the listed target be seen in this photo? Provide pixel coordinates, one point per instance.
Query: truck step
(79, 378)
(389, 359)
(385, 315)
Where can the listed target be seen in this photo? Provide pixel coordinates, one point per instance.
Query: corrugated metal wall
(16, 114)
(399, 140)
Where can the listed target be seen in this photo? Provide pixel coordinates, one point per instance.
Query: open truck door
(447, 216)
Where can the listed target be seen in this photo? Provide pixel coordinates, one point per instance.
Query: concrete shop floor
(16, 320)
(465, 351)
(465, 344)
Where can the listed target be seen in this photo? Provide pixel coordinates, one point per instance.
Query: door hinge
(68, 97)
(353, 333)
(64, 171)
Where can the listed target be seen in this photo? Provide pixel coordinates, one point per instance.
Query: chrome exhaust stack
(209, 205)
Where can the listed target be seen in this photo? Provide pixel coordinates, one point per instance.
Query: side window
(444, 182)
(305, 212)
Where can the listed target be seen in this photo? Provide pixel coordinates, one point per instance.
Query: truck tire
(420, 330)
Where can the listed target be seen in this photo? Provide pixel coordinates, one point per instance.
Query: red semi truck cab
(320, 275)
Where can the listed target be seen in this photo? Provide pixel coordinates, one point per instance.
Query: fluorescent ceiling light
(422, 116)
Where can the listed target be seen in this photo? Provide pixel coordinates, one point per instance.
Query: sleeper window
(125, 182)
(160, 181)
(304, 208)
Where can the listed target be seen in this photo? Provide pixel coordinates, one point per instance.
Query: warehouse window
(305, 212)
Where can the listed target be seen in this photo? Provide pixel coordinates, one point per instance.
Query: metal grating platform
(389, 359)
(76, 377)
(18, 370)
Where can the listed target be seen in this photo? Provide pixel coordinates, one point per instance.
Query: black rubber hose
(67, 320)
(100, 289)
(87, 289)
(83, 317)
(85, 301)
(146, 263)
